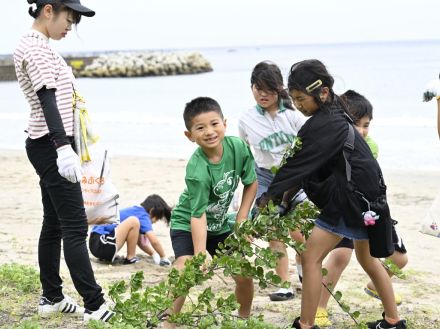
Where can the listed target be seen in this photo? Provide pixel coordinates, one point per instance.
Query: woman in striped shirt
(47, 83)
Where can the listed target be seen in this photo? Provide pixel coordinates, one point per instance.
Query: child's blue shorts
(341, 229)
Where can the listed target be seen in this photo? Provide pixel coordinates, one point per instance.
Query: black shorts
(397, 241)
(183, 245)
(103, 246)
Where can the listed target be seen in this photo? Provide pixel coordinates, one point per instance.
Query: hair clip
(314, 85)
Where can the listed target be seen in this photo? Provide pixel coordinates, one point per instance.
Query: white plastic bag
(431, 222)
(99, 194)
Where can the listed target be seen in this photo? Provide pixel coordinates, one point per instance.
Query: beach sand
(410, 195)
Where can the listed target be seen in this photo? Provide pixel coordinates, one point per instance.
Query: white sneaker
(66, 306)
(103, 314)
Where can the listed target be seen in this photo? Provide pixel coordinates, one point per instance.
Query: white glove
(68, 164)
(164, 262)
(432, 90)
(156, 258)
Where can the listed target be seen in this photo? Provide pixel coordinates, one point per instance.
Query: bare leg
(178, 303)
(379, 276)
(282, 268)
(399, 259)
(335, 264)
(244, 292)
(298, 237)
(128, 231)
(318, 246)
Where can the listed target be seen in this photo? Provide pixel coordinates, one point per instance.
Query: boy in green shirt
(199, 222)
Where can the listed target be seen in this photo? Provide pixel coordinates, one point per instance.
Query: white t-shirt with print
(269, 136)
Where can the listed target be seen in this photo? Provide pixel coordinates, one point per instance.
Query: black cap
(74, 5)
(78, 7)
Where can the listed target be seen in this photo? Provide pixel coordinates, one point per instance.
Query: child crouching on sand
(135, 229)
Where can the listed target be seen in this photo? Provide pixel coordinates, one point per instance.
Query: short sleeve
(145, 222)
(38, 63)
(198, 195)
(297, 119)
(242, 130)
(248, 175)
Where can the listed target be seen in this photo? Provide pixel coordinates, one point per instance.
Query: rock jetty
(124, 64)
(144, 64)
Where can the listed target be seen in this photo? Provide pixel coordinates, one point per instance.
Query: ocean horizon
(143, 116)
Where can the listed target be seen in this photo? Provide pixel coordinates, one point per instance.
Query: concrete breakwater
(145, 64)
(7, 69)
(125, 64)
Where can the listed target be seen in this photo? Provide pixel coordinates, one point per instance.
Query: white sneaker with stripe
(47, 308)
(103, 314)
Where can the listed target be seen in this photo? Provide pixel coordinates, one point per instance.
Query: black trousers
(64, 219)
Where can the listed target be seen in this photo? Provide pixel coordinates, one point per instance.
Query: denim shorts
(264, 177)
(342, 230)
(397, 240)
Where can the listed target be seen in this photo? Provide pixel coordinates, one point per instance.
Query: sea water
(143, 116)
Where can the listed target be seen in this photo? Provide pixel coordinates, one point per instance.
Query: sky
(174, 24)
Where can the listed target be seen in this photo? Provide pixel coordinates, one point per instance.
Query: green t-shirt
(373, 146)
(210, 187)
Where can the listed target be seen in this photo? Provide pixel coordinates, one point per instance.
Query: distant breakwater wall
(7, 69)
(125, 64)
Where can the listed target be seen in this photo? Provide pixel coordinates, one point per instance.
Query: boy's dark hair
(198, 106)
(310, 76)
(266, 75)
(57, 5)
(157, 207)
(358, 106)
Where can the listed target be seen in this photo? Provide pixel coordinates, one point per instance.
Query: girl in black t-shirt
(320, 168)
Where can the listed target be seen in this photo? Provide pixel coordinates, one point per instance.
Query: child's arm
(288, 195)
(155, 243)
(199, 233)
(153, 248)
(144, 245)
(249, 192)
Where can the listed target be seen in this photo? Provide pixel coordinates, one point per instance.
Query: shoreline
(386, 170)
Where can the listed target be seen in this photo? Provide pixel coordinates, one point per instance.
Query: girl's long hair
(266, 75)
(157, 207)
(310, 76)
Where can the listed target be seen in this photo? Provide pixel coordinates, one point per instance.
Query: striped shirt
(38, 65)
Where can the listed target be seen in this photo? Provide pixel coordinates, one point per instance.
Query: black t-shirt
(319, 168)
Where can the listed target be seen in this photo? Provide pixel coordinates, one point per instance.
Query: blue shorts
(264, 178)
(397, 240)
(342, 230)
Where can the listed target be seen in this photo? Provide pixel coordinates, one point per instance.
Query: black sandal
(130, 261)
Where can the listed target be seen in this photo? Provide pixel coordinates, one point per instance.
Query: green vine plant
(145, 307)
(137, 306)
(289, 152)
(393, 268)
(300, 219)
